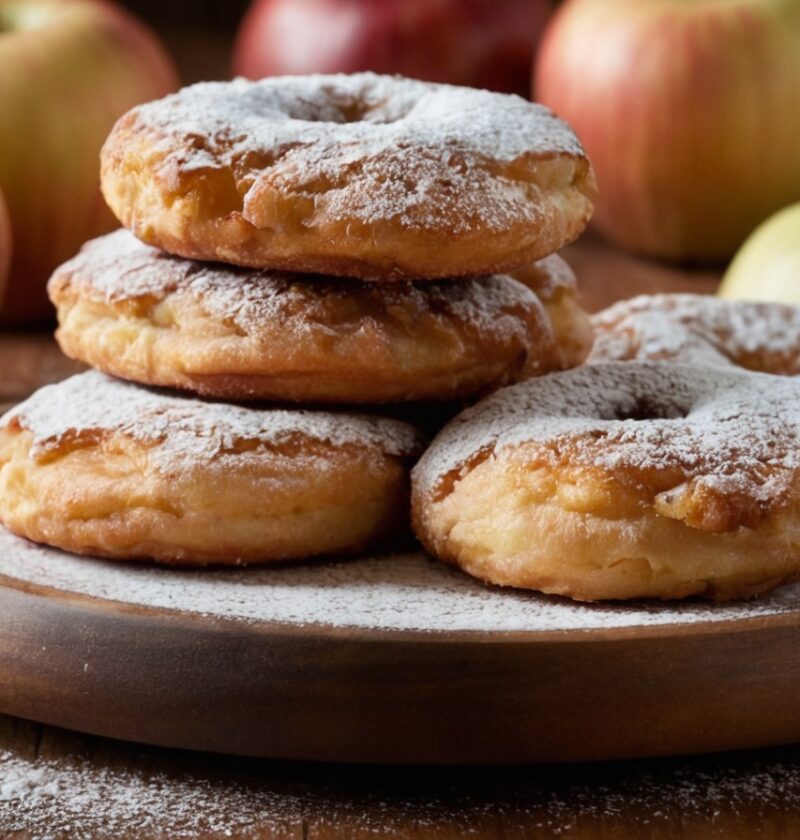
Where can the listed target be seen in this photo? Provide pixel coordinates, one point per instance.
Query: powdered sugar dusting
(125, 791)
(119, 267)
(699, 329)
(399, 592)
(407, 149)
(186, 431)
(729, 430)
(77, 799)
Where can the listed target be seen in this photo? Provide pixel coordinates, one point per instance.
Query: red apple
(5, 245)
(690, 113)
(68, 70)
(482, 43)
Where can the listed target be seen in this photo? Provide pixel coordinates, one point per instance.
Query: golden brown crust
(362, 176)
(553, 282)
(188, 484)
(138, 313)
(583, 535)
(620, 481)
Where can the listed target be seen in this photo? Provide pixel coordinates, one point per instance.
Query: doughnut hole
(647, 408)
(339, 110)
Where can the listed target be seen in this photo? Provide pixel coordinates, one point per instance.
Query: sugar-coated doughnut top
(119, 267)
(730, 431)
(368, 111)
(183, 431)
(402, 136)
(700, 329)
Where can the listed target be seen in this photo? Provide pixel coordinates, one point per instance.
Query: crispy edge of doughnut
(572, 325)
(584, 535)
(107, 499)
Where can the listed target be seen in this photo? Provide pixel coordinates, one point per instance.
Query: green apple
(767, 266)
(68, 70)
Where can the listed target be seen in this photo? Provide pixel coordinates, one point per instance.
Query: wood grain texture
(28, 361)
(108, 789)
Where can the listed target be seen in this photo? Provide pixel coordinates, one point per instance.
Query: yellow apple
(768, 265)
(689, 111)
(68, 70)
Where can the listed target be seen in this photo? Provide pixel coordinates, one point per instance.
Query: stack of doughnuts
(292, 248)
(300, 246)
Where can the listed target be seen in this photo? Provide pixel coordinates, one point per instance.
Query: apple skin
(689, 111)
(5, 245)
(767, 266)
(68, 70)
(480, 43)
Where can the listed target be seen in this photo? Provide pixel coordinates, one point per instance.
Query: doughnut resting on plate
(96, 466)
(614, 481)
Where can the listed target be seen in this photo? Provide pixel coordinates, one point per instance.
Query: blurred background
(199, 35)
(690, 112)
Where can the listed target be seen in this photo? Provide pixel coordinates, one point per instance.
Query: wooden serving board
(387, 659)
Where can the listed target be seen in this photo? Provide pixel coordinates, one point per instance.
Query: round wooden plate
(385, 659)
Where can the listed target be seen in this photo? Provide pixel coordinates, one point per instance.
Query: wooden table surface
(55, 784)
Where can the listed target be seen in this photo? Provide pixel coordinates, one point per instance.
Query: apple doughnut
(96, 466)
(553, 282)
(700, 329)
(136, 312)
(615, 481)
(377, 177)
